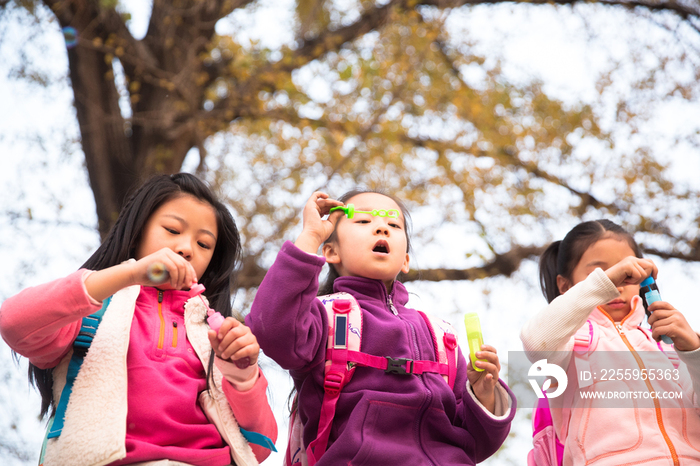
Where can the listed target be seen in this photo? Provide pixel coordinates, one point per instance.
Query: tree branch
(251, 275)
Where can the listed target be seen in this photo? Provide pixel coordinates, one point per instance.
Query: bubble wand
(474, 337)
(649, 292)
(350, 211)
(158, 273)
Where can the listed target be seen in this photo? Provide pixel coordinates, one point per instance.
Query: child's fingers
(636, 271)
(489, 367)
(660, 310)
(672, 323)
(631, 271)
(181, 274)
(243, 346)
(228, 324)
(230, 330)
(489, 354)
(316, 201)
(235, 340)
(325, 205)
(249, 348)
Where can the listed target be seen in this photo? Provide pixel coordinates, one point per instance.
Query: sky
(564, 49)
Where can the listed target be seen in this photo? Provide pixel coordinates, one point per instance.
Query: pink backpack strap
(548, 449)
(668, 350)
(583, 338)
(445, 344)
(344, 338)
(584, 341)
(343, 355)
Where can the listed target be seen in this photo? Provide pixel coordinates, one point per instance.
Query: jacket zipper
(657, 406)
(416, 351)
(161, 335)
(174, 334)
(390, 303)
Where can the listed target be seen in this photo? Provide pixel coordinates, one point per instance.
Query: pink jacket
(628, 426)
(162, 401)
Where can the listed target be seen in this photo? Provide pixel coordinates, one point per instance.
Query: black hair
(122, 240)
(327, 287)
(561, 257)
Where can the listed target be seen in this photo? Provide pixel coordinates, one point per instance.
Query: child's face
(604, 254)
(187, 226)
(370, 246)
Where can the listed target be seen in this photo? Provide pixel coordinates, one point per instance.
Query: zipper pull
(391, 306)
(618, 326)
(160, 296)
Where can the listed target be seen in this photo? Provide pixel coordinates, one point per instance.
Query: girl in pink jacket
(157, 385)
(626, 402)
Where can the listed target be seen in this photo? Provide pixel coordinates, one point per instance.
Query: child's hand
(316, 230)
(181, 274)
(665, 320)
(631, 271)
(234, 341)
(484, 382)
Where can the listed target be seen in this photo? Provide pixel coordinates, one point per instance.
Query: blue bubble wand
(649, 292)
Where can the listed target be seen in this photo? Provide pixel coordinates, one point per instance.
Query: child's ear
(563, 284)
(330, 253)
(405, 268)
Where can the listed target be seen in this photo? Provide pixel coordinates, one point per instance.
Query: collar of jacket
(368, 290)
(176, 299)
(630, 322)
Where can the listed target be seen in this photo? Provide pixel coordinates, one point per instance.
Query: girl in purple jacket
(380, 418)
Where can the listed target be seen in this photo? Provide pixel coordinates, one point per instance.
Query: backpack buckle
(450, 341)
(398, 366)
(333, 382)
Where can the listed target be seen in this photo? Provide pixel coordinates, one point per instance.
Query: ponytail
(548, 271)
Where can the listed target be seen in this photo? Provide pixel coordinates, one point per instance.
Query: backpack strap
(667, 349)
(584, 340)
(445, 343)
(344, 337)
(81, 345)
(343, 355)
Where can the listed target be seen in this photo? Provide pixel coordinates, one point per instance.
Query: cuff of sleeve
(241, 379)
(604, 284)
(290, 249)
(502, 406)
(692, 362)
(87, 273)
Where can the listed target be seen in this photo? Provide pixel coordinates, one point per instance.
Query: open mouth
(381, 247)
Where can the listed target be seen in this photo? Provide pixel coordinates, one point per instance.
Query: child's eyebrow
(597, 264)
(184, 222)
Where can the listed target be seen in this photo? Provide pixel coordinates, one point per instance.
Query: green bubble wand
(350, 211)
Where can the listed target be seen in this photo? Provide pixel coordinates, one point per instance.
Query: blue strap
(258, 439)
(80, 347)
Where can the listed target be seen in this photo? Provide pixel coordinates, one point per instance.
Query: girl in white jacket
(591, 280)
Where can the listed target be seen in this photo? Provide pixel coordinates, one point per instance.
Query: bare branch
(251, 275)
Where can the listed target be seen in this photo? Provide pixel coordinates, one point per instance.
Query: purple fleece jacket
(381, 418)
